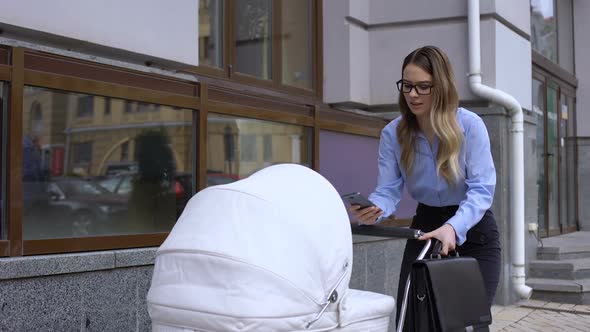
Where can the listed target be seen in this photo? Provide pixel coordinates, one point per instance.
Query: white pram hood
(260, 254)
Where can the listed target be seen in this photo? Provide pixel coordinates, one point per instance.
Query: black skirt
(482, 243)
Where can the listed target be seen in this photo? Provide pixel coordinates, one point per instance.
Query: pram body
(272, 252)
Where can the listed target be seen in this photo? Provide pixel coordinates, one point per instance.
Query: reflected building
(249, 145)
(88, 135)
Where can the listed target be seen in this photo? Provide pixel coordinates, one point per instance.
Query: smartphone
(357, 199)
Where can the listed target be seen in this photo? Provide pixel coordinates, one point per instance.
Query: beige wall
(365, 43)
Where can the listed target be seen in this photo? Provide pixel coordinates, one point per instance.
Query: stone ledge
(135, 257)
(45, 265)
(365, 239)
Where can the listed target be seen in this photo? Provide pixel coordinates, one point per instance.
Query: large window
(544, 28)
(106, 158)
(552, 31)
(225, 134)
(268, 42)
(88, 177)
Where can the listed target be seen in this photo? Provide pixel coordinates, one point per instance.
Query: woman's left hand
(446, 235)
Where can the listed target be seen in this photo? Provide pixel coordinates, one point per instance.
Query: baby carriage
(272, 252)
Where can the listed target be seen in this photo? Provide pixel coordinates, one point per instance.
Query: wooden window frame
(32, 68)
(5, 78)
(228, 72)
(25, 67)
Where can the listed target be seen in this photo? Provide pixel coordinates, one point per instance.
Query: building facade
(109, 129)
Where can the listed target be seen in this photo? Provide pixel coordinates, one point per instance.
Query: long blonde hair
(443, 114)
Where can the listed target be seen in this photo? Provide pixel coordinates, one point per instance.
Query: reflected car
(74, 207)
(216, 178)
(122, 184)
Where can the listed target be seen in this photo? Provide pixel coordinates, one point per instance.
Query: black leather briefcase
(446, 294)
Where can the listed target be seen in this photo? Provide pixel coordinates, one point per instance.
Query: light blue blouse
(473, 193)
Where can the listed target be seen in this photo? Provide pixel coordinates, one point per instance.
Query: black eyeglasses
(421, 88)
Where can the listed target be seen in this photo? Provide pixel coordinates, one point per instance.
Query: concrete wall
(98, 291)
(149, 27)
(394, 29)
(583, 182)
(498, 125)
(106, 291)
(582, 70)
(582, 64)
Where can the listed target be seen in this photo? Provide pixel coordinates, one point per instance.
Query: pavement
(541, 316)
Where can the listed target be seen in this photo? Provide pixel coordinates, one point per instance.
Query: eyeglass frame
(412, 86)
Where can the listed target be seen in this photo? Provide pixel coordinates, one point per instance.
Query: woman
(441, 153)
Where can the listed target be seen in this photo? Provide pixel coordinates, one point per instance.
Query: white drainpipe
(517, 233)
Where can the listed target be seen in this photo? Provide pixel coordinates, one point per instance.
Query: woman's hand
(446, 235)
(366, 216)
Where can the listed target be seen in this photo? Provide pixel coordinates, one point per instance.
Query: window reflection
(127, 171)
(211, 32)
(253, 28)
(296, 43)
(543, 28)
(238, 147)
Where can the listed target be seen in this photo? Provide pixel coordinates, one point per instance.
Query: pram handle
(386, 231)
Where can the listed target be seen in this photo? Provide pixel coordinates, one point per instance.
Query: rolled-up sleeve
(480, 178)
(390, 183)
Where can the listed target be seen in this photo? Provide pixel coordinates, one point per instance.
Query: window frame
(556, 18)
(40, 69)
(33, 68)
(5, 77)
(228, 71)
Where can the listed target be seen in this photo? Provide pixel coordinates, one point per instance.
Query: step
(561, 291)
(564, 252)
(559, 285)
(569, 269)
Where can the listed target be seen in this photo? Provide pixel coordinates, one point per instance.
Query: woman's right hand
(366, 216)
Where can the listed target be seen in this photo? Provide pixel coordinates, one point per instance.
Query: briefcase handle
(437, 248)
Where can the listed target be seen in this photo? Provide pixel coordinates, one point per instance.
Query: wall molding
(453, 19)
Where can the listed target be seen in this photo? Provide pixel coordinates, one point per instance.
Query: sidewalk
(540, 316)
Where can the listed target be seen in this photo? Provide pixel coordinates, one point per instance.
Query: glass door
(553, 107)
(552, 162)
(539, 113)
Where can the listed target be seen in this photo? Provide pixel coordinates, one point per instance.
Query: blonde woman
(441, 153)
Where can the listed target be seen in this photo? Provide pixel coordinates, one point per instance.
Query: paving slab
(541, 316)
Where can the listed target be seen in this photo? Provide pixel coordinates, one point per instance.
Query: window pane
(211, 32)
(238, 147)
(85, 106)
(543, 28)
(253, 21)
(296, 43)
(128, 173)
(349, 175)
